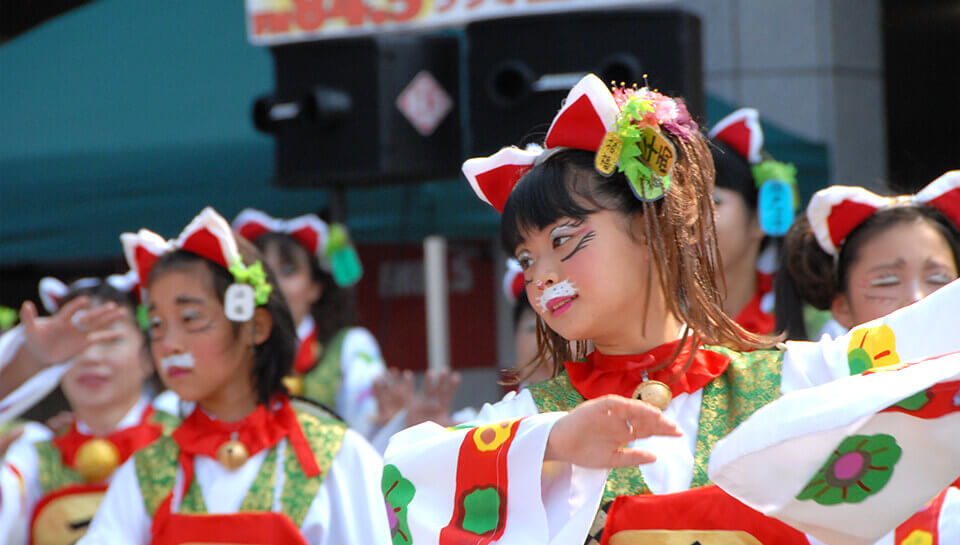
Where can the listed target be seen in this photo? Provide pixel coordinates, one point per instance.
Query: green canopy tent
(119, 115)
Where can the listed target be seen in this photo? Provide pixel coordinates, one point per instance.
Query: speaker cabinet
(336, 111)
(520, 69)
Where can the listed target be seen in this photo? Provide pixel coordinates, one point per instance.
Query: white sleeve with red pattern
(488, 478)
(922, 330)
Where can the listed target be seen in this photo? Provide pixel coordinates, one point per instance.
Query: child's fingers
(646, 420)
(627, 457)
(104, 335)
(28, 316)
(74, 306)
(433, 384)
(450, 385)
(100, 317)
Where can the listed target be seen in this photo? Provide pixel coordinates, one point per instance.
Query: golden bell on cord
(96, 459)
(655, 393)
(232, 454)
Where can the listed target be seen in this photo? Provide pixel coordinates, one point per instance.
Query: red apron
(262, 528)
(706, 514)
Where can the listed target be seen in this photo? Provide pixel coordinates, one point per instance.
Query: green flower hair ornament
(643, 147)
(340, 253)
(774, 170)
(255, 276)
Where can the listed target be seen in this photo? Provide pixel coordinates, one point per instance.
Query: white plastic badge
(239, 302)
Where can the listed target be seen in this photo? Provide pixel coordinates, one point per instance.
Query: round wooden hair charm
(96, 459)
(232, 454)
(654, 392)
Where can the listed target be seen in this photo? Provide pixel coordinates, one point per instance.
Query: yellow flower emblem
(918, 537)
(872, 347)
(488, 438)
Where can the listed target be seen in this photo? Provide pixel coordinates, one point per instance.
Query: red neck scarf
(307, 354)
(752, 317)
(127, 441)
(601, 374)
(259, 430)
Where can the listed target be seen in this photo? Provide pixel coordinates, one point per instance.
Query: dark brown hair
(336, 307)
(809, 275)
(679, 230)
(273, 359)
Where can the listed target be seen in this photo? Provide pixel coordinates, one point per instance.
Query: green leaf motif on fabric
(367, 358)
(481, 510)
(915, 402)
(52, 472)
(398, 492)
(860, 467)
(859, 361)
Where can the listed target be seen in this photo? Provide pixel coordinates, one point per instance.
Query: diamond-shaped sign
(424, 103)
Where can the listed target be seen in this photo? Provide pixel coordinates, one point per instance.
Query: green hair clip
(341, 255)
(255, 276)
(143, 317)
(774, 170)
(8, 317)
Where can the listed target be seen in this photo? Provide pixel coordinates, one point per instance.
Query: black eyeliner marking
(584, 240)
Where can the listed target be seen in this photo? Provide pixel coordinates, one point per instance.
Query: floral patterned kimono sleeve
(922, 330)
(865, 433)
(486, 482)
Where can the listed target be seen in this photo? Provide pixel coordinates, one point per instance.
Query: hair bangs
(547, 193)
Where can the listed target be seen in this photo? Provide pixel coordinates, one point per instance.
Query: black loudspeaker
(336, 111)
(521, 68)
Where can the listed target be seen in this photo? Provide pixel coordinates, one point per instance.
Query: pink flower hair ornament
(623, 126)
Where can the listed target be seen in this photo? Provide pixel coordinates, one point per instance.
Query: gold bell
(654, 392)
(96, 459)
(232, 454)
(294, 385)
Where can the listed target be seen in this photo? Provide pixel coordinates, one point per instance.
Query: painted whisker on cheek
(560, 289)
(581, 244)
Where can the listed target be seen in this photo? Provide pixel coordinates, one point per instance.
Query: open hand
(596, 432)
(61, 420)
(70, 331)
(393, 390)
(432, 402)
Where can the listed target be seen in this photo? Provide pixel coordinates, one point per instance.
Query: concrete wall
(814, 67)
